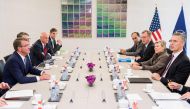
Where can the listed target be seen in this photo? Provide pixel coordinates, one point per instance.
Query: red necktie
(45, 51)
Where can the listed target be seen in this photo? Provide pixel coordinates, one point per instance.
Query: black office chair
(7, 57)
(168, 51)
(2, 64)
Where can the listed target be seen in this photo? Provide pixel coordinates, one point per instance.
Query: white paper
(57, 57)
(164, 96)
(19, 94)
(173, 104)
(50, 106)
(134, 97)
(12, 104)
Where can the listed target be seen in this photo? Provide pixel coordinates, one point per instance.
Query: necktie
(45, 50)
(168, 66)
(52, 41)
(25, 61)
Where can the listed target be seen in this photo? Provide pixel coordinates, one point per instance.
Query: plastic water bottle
(55, 93)
(119, 91)
(71, 62)
(64, 74)
(114, 74)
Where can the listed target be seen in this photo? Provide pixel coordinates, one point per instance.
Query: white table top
(86, 97)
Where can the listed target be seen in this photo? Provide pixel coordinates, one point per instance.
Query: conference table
(83, 96)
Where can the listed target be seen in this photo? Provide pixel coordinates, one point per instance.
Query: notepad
(173, 104)
(19, 94)
(139, 80)
(164, 96)
(12, 104)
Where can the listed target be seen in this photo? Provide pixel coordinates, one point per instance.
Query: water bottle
(119, 91)
(71, 62)
(114, 74)
(55, 93)
(78, 51)
(64, 74)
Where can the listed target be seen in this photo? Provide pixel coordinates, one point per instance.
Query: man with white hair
(40, 50)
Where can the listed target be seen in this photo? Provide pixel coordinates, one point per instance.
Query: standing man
(136, 48)
(54, 45)
(18, 66)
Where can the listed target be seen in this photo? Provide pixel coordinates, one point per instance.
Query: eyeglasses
(25, 45)
(134, 38)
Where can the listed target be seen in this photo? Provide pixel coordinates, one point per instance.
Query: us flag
(155, 27)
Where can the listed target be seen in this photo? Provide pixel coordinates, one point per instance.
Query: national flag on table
(155, 27)
(180, 25)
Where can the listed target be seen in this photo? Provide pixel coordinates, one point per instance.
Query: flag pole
(155, 3)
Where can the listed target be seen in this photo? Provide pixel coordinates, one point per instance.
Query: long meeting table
(84, 96)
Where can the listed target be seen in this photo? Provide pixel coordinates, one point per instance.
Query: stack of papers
(164, 96)
(19, 94)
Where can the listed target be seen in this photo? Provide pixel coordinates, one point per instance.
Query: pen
(169, 81)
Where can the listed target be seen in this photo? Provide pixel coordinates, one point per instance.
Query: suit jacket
(15, 70)
(135, 49)
(184, 90)
(156, 63)
(178, 71)
(146, 52)
(37, 53)
(56, 46)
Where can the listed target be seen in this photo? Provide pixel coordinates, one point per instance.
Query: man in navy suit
(178, 66)
(54, 45)
(19, 65)
(40, 50)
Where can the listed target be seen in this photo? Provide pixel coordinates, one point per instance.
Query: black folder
(139, 80)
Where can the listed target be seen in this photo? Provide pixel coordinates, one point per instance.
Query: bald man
(41, 50)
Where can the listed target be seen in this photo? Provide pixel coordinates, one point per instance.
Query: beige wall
(35, 16)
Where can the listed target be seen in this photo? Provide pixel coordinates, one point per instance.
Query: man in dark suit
(178, 66)
(148, 48)
(41, 50)
(136, 48)
(185, 91)
(18, 66)
(54, 45)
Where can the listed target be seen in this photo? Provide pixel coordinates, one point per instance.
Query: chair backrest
(7, 57)
(168, 51)
(2, 64)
